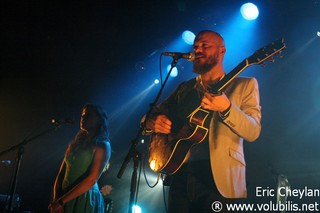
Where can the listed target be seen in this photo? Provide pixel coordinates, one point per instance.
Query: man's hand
(160, 124)
(106, 190)
(219, 103)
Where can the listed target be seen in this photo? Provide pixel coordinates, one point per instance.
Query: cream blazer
(226, 136)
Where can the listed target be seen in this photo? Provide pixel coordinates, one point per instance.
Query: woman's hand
(56, 207)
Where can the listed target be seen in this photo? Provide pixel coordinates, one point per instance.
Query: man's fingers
(162, 124)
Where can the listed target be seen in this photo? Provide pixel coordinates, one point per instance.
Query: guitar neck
(216, 88)
(261, 55)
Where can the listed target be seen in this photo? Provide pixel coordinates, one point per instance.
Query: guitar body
(168, 152)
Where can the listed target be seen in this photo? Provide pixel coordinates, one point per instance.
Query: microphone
(176, 55)
(64, 121)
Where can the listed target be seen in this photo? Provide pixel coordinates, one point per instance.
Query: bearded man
(213, 172)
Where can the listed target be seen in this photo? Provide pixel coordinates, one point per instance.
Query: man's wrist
(224, 114)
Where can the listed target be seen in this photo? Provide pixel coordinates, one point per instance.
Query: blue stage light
(156, 81)
(188, 37)
(174, 72)
(136, 209)
(249, 11)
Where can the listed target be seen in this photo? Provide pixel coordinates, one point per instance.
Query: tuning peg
(263, 65)
(280, 55)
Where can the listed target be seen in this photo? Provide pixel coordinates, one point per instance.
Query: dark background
(55, 57)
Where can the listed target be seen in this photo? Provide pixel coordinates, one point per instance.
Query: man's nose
(197, 49)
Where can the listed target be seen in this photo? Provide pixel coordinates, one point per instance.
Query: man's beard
(206, 66)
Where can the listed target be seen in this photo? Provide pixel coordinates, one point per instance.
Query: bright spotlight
(136, 209)
(174, 72)
(156, 81)
(153, 165)
(249, 11)
(188, 37)
(318, 33)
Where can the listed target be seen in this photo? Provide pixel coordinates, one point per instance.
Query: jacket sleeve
(245, 112)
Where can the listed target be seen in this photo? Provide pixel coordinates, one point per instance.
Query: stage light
(153, 165)
(249, 11)
(174, 72)
(318, 33)
(156, 81)
(188, 37)
(136, 209)
(140, 66)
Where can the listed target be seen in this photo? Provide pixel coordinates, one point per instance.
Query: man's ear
(223, 50)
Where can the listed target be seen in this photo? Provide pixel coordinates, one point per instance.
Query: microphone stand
(20, 148)
(133, 152)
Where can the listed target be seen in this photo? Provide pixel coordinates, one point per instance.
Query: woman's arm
(101, 157)
(57, 188)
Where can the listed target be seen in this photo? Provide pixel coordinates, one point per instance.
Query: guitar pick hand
(160, 124)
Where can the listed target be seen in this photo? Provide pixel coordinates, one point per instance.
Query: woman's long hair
(81, 141)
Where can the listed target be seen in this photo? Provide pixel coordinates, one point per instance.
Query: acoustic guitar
(168, 152)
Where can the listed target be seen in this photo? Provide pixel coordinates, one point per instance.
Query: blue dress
(77, 166)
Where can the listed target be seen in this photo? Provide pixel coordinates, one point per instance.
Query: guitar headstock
(267, 52)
